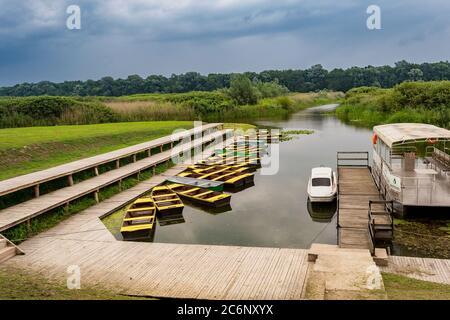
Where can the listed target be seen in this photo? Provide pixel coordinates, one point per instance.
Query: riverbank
(424, 238)
(422, 102)
(18, 284)
(25, 150)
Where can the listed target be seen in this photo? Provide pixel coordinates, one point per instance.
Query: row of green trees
(315, 78)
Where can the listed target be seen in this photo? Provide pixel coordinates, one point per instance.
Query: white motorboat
(322, 186)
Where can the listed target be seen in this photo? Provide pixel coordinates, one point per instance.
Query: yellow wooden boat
(139, 219)
(166, 201)
(201, 195)
(231, 179)
(231, 162)
(217, 169)
(237, 168)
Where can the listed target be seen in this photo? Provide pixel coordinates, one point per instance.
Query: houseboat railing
(438, 159)
(417, 190)
(352, 159)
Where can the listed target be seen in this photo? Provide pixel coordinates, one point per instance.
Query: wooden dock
(356, 188)
(160, 269)
(27, 210)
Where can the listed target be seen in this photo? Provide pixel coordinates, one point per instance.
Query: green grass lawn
(24, 150)
(404, 288)
(20, 137)
(17, 284)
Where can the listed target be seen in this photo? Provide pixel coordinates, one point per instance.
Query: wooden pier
(161, 269)
(27, 210)
(357, 216)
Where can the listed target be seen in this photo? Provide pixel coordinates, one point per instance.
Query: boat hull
(216, 204)
(322, 198)
(137, 235)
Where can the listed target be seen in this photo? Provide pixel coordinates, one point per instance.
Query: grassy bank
(421, 102)
(420, 237)
(206, 106)
(17, 284)
(24, 150)
(404, 288)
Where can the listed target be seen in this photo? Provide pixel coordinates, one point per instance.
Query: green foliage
(314, 79)
(45, 110)
(242, 91)
(270, 89)
(422, 102)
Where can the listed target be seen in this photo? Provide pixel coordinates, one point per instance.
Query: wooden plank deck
(356, 188)
(22, 212)
(35, 178)
(161, 269)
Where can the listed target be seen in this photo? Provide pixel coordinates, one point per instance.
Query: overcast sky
(123, 37)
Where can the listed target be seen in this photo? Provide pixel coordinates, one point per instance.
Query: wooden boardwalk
(356, 188)
(160, 269)
(36, 178)
(25, 211)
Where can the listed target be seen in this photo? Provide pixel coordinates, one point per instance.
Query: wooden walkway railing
(360, 205)
(27, 210)
(67, 170)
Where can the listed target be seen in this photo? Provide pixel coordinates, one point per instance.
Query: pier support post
(149, 152)
(153, 170)
(36, 191)
(120, 185)
(134, 157)
(96, 171)
(161, 148)
(117, 164)
(96, 196)
(70, 179)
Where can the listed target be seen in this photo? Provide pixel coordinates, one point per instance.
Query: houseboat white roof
(409, 132)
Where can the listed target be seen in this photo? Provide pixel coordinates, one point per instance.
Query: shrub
(242, 90)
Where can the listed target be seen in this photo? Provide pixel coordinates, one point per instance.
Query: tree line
(315, 78)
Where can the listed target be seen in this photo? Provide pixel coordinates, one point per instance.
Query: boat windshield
(321, 182)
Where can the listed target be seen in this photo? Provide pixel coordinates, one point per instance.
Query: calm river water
(274, 212)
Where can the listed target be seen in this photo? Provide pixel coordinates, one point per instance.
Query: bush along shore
(422, 102)
(244, 99)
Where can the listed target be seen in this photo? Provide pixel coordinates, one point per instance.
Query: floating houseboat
(411, 165)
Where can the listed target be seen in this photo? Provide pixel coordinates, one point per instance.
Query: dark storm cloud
(122, 37)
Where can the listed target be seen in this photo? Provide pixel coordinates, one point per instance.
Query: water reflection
(322, 212)
(275, 211)
(167, 220)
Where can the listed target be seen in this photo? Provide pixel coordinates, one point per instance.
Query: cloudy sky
(123, 37)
